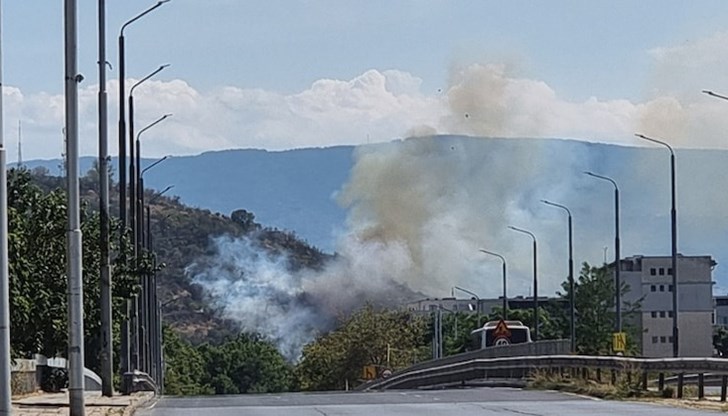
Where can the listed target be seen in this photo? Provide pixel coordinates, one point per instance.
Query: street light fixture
(535, 280)
(471, 293)
(146, 294)
(139, 175)
(617, 260)
(673, 228)
(122, 113)
(126, 359)
(134, 157)
(716, 95)
(572, 295)
(504, 315)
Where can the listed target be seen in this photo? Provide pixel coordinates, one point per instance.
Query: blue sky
(255, 73)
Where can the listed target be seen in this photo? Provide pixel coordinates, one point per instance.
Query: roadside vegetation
(206, 354)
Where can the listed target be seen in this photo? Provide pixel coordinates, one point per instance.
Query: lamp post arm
(159, 120)
(505, 293)
(140, 15)
(154, 164)
(158, 70)
(716, 95)
(467, 291)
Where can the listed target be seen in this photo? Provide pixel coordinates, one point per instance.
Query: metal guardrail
(540, 348)
(470, 366)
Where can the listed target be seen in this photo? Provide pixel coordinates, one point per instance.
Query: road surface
(462, 402)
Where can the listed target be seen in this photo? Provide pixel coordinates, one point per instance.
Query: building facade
(650, 280)
(721, 311)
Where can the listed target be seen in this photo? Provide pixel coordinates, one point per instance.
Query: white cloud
(381, 105)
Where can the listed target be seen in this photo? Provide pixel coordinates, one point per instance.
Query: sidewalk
(96, 404)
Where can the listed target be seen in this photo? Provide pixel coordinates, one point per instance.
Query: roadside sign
(619, 341)
(501, 334)
(369, 372)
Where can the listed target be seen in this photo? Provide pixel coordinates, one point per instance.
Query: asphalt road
(475, 401)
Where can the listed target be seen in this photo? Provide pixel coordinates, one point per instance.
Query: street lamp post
(5, 357)
(572, 296)
(139, 174)
(122, 113)
(146, 306)
(673, 228)
(154, 337)
(126, 361)
(535, 280)
(504, 315)
(617, 262)
(134, 159)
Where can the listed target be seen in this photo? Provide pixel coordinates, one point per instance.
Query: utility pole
(73, 232)
(107, 358)
(5, 393)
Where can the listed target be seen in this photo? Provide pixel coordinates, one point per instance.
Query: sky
(291, 74)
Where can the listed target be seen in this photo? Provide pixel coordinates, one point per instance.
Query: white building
(650, 278)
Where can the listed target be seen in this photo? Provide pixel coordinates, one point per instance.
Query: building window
(662, 340)
(669, 314)
(653, 288)
(654, 314)
(669, 271)
(654, 340)
(669, 339)
(653, 272)
(662, 314)
(662, 288)
(662, 271)
(669, 288)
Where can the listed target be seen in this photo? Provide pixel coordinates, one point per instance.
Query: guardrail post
(680, 386)
(701, 386)
(614, 377)
(661, 382)
(599, 375)
(585, 373)
(644, 380)
(723, 387)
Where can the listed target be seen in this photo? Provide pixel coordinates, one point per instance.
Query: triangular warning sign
(501, 330)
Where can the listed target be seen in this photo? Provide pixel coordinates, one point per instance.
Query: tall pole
(127, 341)
(572, 301)
(617, 260)
(673, 232)
(5, 393)
(134, 160)
(504, 316)
(146, 302)
(107, 358)
(535, 280)
(73, 232)
(155, 336)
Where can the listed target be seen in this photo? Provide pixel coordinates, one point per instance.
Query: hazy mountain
(502, 178)
(291, 190)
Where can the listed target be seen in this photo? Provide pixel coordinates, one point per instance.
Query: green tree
(396, 339)
(38, 279)
(247, 364)
(184, 367)
(595, 300)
